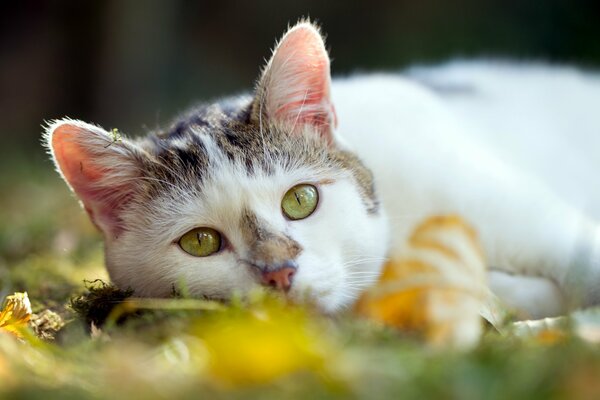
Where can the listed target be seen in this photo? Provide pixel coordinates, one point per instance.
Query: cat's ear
(294, 89)
(100, 167)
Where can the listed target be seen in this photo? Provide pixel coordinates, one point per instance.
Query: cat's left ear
(103, 169)
(294, 89)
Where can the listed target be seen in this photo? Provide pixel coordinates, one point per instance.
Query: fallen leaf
(259, 346)
(46, 324)
(15, 315)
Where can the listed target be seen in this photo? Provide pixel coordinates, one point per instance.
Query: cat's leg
(529, 297)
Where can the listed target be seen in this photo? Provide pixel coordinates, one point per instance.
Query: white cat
(275, 188)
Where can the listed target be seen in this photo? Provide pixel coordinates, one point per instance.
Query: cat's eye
(300, 201)
(201, 242)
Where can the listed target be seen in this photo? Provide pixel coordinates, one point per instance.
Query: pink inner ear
(298, 90)
(72, 158)
(80, 154)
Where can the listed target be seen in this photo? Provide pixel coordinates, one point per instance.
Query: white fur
(512, 148)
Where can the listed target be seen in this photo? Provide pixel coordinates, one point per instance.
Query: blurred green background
(133, 64)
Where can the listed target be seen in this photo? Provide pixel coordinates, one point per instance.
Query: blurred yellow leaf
(16, 314)
(436, 286)
(255, 347)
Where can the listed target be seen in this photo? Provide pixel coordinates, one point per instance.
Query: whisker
(363, 272)
(367, 260)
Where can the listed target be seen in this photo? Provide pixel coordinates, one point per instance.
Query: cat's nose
(280, 278)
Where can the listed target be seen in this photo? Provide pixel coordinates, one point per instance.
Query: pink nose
(280, 279)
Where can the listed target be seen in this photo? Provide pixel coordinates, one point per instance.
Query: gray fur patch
(178, 155)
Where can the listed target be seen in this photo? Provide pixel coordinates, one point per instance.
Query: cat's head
(247, 192)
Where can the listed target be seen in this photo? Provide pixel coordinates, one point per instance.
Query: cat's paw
(435, 287)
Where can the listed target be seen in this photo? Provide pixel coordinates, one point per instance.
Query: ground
(184, 348)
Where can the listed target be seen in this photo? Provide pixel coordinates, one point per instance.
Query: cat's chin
(326, 302)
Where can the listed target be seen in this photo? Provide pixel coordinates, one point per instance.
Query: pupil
(297, 198)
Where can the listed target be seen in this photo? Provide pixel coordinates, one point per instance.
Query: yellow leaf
(435, 286)
(259, 346)
(16, 314)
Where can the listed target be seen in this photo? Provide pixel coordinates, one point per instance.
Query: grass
(114, 347)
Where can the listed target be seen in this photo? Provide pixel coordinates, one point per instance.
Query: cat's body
(510, 147)
(473, 139)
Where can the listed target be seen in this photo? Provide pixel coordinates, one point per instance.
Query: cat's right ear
(100, 167)
(294, 90)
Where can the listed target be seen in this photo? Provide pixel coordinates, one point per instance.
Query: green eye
(201, 242)
(300, 201)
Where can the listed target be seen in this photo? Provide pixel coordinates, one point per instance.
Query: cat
(309, 184)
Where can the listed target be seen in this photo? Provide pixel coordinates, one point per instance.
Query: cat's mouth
(322, 300)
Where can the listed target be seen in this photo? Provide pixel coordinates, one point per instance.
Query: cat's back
(518, 106)
(542, 120)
